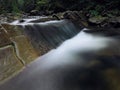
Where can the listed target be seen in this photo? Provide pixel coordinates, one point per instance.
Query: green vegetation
(42, 5)
(93, 7)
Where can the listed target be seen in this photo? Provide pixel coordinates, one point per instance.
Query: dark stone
(114, 22)
(98, 19)
(21, 21)
(34, 12)
(76, 17)
(55, 16)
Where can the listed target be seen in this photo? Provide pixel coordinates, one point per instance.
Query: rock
(40, 13)
(73, 15)
(114, 22)
(97, 20)
(25, 49)
(3, 19)
(76, 17)
(55, 16)
(10, 65)
(4, 37)
(34, 12)
(16, 51)
(21, 21)
(9, 17)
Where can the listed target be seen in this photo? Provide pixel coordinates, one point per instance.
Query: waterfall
(48, 35)
(79, 63)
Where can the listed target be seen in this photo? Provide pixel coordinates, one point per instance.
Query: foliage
(21, 4)
(94, 7)
(42, 4)
(94, 12)
(29, 5)
(15, 8)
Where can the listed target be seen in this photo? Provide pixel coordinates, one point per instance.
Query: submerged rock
(22, 20)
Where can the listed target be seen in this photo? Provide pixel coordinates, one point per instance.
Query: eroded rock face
(4, 38)
(15, 51)
(9, 63)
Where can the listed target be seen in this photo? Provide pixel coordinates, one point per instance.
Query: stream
(79, 60)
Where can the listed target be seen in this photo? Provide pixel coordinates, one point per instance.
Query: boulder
(34, 12)
(97, 20)
(76, 17)
(114, 22)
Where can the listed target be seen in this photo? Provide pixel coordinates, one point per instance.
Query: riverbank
(77, 17)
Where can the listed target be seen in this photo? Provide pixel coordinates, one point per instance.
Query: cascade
(79, 63)
(49, 34)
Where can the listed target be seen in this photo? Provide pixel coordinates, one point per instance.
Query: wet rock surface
(9, 63)
(76, 17)
(15, 51)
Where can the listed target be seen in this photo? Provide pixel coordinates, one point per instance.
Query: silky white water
(29, 21)
(71, 51)
(64, 68)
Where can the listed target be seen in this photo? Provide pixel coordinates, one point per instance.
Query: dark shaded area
(90, 7)
(104, 31)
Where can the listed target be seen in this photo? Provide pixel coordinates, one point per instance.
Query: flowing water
(49, 34)
(83, 62)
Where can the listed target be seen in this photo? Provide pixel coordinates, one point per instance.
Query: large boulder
(34, 12)
(97, 20)
(113, 22)
(76, 17)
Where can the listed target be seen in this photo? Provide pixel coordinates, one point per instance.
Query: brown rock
(76, 17)
(9, 63)
(98, 19)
